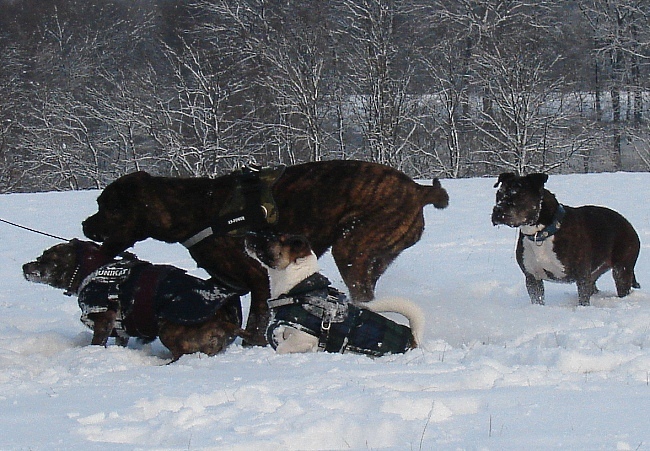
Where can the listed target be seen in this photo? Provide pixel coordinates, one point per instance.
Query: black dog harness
(316, 308)
(142, 293)
(250, 206)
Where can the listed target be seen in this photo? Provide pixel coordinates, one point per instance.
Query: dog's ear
(86, 249)
(538, 180)
(156, 211)
(504, 177)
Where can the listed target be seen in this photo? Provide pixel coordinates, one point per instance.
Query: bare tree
(12, 64)
(80, 123)
(379, 66)
(455, 87)
(621, 47)
(282, 50)
(196, 121)
(526, 127)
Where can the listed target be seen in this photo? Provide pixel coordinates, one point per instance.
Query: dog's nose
(28, 271)
(498, 216)
(88, 231)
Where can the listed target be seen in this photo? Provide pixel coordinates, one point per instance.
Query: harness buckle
(325, 325)
(323, 338)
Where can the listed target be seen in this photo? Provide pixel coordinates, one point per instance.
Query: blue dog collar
(550, 229)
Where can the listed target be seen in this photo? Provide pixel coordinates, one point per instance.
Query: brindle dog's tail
(434, 194)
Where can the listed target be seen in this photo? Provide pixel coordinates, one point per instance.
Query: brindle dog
(366, 213)
(72, 266)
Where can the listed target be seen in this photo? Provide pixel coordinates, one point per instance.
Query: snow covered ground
(495, 372)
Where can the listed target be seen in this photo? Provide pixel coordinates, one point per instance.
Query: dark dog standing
(133, 298)
(366, 213)
(562, 243)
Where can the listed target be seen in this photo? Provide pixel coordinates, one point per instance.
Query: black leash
(33, 230)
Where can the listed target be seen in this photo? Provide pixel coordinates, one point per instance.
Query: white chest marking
(281, 281)
(540, 260)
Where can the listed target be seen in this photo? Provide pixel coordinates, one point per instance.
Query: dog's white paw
(292, 340)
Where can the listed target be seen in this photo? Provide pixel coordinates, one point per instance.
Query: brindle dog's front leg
(103, 324)
(535, 289)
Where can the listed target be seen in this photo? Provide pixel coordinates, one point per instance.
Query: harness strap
(250, 206)
(323, 338)
(314, 307)
(282, 301)
(203, 234)
(140, 318)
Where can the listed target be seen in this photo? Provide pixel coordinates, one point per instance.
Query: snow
(494, 372)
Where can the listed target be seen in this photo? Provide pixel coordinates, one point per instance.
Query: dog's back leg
(624, 259)
(363, 253)
(624, 279)
(586, 289)
(360, 270)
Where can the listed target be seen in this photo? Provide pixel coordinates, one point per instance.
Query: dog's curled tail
(434, 194)
(404, 307)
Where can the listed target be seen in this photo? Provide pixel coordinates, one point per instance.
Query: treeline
(452, 88)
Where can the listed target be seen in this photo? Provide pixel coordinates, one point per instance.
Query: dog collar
(88, 258)
(550, 229)
(70, 289)
(314, 282)
(311, 285)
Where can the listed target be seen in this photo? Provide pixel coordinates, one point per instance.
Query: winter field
(495, 372)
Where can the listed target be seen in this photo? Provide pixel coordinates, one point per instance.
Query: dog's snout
(89, 229)
(498, 215)
(253, 240)
(31, 272)
(85, 226)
